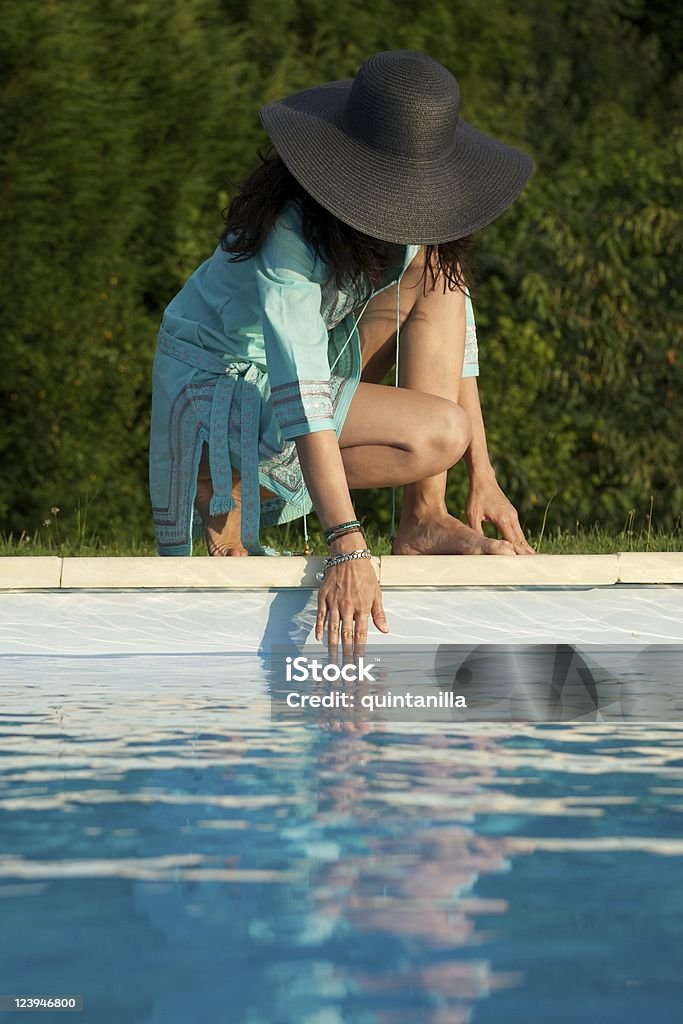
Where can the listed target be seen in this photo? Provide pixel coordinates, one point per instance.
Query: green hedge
(125, 126)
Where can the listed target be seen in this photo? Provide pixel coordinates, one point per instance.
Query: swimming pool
(171, 853)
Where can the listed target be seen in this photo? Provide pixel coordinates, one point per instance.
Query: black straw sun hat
(387, 152)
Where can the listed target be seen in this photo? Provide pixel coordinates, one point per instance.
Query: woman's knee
(446, 434)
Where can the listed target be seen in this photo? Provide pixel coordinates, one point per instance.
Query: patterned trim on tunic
(281, 467)
(184, 432)
(471, 348)
(299, 401)
(335, 305)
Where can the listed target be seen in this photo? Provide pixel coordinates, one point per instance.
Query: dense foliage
(125, 125)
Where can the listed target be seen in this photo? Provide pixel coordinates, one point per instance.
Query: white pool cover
(214, 622)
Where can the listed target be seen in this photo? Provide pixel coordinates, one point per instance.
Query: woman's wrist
(348, 542)
(341, 558)
(479, 468)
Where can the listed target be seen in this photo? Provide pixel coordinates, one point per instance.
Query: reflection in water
(211, 858)
(412, 881)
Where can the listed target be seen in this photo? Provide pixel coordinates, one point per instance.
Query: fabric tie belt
(243, 375)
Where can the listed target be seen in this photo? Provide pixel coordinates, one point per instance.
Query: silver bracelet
(344, 556)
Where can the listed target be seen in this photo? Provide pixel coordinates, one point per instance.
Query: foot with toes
(443, 534)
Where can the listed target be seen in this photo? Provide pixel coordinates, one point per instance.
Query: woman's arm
(477, 456)
(349, 592)
(323, 470)
(296, 348)
(486, 501)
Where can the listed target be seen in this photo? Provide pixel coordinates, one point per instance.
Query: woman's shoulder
(288, 225)
(292, 212)
(286, 245)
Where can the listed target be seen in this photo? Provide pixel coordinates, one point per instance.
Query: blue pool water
(173, 855)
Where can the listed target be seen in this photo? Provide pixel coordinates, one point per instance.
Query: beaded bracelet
(331, 530)
(346, 556)
(343, 533)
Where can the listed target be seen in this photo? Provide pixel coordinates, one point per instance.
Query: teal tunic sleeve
(294, 331)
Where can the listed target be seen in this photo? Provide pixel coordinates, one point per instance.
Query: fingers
(508, 524)
(360, 621)
(351, 625)
(333, 634)
(379, 615)
(347, 635)
(519, 541)
(498, 547)
(333, 625)
(475, 517)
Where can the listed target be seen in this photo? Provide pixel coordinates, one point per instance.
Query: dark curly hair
(357, 262)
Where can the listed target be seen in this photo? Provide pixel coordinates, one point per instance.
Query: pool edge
(27, 572)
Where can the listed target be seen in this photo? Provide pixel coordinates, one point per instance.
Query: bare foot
(443, 534)
(222, 533)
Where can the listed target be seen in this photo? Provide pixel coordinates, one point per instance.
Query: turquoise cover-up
(251, 355)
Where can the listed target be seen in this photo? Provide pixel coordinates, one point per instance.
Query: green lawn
(51, 539)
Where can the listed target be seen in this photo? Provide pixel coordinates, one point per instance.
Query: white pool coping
(154, 573)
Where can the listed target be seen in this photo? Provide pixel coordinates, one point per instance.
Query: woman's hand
(487, 503)
(348, 595)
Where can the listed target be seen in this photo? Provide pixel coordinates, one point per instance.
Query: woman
(267, 399)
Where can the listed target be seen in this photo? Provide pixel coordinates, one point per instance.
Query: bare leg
(394, 436)
(431, 357)
(397, 436)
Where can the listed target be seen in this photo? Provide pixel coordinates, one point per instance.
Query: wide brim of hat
(394, 198)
